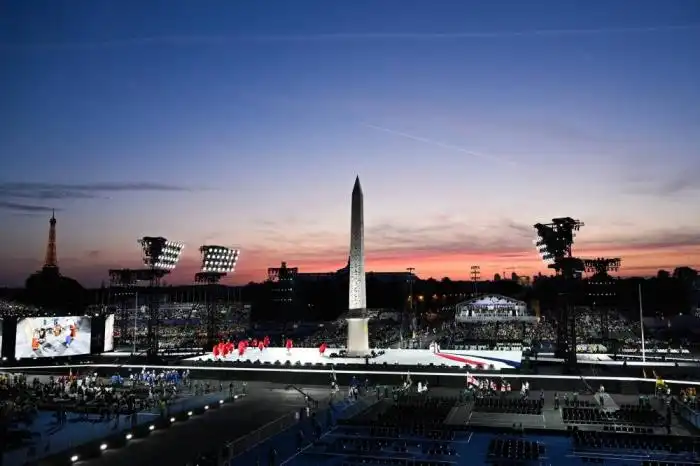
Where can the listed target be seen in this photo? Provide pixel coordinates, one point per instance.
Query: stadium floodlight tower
(554, 242)
(217, 262)
(160, 256)
(122, 285)
(601, 289)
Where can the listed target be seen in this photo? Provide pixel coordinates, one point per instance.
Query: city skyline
(244, 126)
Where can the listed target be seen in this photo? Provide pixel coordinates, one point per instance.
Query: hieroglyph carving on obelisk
(358, 294)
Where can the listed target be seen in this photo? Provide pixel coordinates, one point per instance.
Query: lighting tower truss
(217, 262)
(602, 265)
(160, 257)
(601, 287)
(475, 273)
(122, 283)
(555, 241)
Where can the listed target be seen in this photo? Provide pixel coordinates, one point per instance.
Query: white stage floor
(499, 359)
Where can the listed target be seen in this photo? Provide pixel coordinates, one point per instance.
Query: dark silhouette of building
(282, 282)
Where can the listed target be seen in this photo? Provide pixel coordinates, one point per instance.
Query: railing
(258, 436)
(269, 431)
(687, 413)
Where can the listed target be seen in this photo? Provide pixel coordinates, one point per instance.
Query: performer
(241, 348)
(322, 348)
(35, 342)
(334, 381)
(261, 345)
(266, 341)
(215, 351)
(288, 345)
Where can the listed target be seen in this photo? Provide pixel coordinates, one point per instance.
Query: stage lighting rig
(601, 288)
(160, 256)
(602, 265)
(554, 243)
(217, 262)
(123, 278)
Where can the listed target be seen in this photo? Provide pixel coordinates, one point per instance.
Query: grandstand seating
(514, 450)
(626, 415)
(508, 405)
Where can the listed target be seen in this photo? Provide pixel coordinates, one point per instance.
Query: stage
(454, 358)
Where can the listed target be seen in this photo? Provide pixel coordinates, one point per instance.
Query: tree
(685, 274)
(663, 275)
(497, 277)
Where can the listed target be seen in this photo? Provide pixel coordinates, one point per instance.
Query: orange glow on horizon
(635, 262)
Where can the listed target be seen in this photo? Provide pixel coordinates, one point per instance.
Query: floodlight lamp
(160, 253)
(218, 259)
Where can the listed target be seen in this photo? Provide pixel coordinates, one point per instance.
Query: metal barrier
(270, 431)
(364, 372)
(687, 413)
(258, 436)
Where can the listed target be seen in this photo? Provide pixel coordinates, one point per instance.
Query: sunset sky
(245, 124)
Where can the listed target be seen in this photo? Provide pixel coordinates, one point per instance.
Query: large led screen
(109, 333)
(1, 330)
(43, 337)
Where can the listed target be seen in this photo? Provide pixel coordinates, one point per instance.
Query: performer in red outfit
(215, 351)
(255, 342)
(289, 345)
(322, 348)
(261, 345)
(266, 340)
(241, 348)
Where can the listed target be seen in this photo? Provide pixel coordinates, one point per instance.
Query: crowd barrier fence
(301, 370)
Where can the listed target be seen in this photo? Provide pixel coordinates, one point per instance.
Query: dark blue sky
(246, 122)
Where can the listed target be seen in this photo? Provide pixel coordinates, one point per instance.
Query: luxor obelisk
(358, 334)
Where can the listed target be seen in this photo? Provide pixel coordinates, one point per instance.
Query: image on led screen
(1, 330)
(109, 333)
(42, 337)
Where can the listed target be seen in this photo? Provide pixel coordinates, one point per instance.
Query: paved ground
(265, 403)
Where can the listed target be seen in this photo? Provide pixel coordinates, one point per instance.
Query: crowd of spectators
(498, 332)
(20, 399)
(382, 334)
(595, 324)
(592, 327)
(181, 325)
(14, 309)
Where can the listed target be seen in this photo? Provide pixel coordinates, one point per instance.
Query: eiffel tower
(51, 261)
